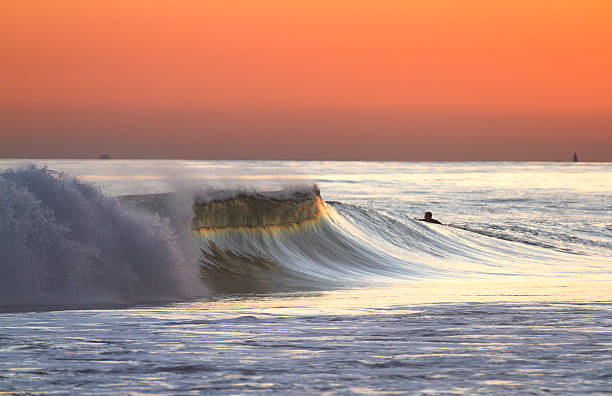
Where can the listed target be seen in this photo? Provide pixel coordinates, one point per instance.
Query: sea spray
(63, 242)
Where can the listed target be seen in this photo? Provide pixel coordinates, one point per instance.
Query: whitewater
(231, 277)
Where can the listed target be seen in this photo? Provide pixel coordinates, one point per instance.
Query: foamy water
(510, 294)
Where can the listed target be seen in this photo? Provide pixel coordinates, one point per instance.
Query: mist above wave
(63, 242)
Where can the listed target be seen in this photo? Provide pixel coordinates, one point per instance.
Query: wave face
(281, 241)
(63, 242)
(253, 244)
(292, 240)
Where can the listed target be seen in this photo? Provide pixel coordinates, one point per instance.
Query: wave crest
(257, 210)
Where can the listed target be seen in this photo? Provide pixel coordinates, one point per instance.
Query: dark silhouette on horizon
(575, 159)
(429, 219)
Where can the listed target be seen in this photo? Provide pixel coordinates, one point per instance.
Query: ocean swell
(62, 242)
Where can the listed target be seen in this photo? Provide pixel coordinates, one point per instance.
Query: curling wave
(257, 242)
(254, 242)
(260, 242)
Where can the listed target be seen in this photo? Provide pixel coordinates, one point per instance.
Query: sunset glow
(402, 80)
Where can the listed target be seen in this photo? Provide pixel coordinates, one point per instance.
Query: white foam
(63, 242)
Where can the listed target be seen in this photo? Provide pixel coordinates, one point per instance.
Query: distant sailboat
(575, 159)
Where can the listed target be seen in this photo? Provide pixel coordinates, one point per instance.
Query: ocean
(270, 277)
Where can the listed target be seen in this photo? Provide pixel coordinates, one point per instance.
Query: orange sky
(402, 80)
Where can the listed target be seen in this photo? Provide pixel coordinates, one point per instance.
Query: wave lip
(262, 209)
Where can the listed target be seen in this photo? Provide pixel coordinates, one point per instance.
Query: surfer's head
(428, 215)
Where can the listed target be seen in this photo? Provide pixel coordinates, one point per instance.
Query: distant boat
(575, 159)
(104, 156)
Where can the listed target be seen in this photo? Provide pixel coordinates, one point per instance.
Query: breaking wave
(63, 242)
(332, 244)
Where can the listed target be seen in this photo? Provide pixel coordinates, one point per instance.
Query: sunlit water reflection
(361, 341)
(534, 325)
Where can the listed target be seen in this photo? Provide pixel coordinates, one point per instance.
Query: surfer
(429, 219)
